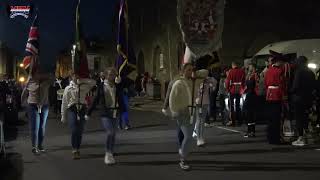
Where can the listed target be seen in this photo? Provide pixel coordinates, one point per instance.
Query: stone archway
(181, 48)
(156, 61)
(140, 63)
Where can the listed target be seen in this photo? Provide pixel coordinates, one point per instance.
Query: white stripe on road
(232, 130)
(317, 149)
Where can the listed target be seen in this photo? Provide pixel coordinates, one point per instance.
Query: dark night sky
(57, 25)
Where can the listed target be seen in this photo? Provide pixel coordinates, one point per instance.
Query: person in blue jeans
(74, 108)
(36, 96)
(109, 115)
(180, 100)
(124, 92)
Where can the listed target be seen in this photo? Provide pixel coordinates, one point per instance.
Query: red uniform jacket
(235, 81)
(274, 83)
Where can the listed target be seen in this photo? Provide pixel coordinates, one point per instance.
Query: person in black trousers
(303, 86)
(251, 101)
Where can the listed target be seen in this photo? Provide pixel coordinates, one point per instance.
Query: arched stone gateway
(140, 63)
(156, 61)
(180, 53)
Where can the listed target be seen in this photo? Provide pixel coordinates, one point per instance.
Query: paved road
(150, 151)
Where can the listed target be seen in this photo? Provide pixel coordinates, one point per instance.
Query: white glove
(165, 112)
(86, 117)
(63, 119)
(117, 80)
(198, 101)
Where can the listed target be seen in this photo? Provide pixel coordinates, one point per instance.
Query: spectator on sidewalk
(303, 87)
(207, 85)
(223, 95)
(138, 84)
(251, 101)
(146, 78)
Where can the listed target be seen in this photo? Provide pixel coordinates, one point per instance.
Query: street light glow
(21, 65)
(22, 79)
(312, 66)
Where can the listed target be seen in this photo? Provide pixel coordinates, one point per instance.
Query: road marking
(317, 149)
(232, 130)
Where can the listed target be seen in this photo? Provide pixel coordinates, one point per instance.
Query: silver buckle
(39, 109)
(200, 110)
(79, 107)
(114, 114)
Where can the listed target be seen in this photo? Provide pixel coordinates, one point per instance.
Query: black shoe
(246, 135)
(76, 155)
(41, 149)
(35, 151)
(252, 135)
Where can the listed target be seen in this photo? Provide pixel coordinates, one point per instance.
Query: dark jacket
(304, 84)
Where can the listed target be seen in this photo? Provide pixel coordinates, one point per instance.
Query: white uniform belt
(273, 87)
(237, 83)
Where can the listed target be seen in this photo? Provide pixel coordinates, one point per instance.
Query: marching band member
(235, 83)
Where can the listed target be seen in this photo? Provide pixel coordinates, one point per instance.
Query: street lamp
(22, 79)
(21, 65)
(73, 53)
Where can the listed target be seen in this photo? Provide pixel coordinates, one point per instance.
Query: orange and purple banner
(126, 60)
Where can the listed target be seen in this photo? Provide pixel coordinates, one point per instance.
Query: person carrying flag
(110, 115)
(74, 105)
(180, 100)
(36, 90)
(125, 65)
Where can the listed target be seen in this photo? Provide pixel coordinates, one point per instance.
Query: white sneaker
(200, 142)
(299, 142)
(112, 160)
(184, 166)
(108, 159)
(194, 135)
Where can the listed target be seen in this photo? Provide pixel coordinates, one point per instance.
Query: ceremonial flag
(80, 62)
(32, 47)
(201, 23)
(126, 59)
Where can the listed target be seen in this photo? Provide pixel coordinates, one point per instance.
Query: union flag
(32, 47)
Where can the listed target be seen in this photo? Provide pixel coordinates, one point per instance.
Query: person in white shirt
(74, 107)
